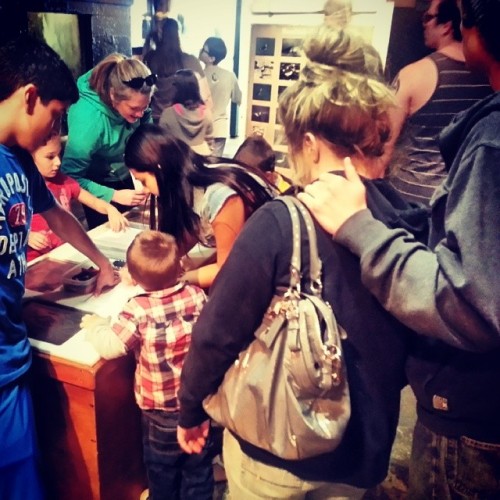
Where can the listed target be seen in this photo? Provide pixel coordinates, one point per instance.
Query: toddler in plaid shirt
(156, 325)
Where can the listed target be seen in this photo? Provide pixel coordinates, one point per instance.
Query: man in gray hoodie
(449, 290)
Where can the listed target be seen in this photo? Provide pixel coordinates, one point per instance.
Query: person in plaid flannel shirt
(156, 325)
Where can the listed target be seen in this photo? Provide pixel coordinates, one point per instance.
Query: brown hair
(339, 97)
(153, 260)
(256, 152)
(110, 74)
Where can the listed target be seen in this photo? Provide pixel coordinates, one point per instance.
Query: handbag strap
(326, 345)
(315, 264)
(294, 206)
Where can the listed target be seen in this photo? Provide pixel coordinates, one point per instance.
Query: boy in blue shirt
(36, 87)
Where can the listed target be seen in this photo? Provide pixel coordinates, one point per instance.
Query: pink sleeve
(73, 187)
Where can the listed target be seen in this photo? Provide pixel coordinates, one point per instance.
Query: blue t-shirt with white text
(22, 192)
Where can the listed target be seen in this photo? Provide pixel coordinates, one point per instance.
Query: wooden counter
(89, 428)
(88, 422)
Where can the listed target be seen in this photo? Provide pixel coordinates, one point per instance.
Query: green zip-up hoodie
(96, 142)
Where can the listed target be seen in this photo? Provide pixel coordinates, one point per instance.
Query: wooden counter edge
(66, 371)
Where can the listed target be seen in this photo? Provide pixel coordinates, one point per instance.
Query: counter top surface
(47, 286)
(43, 284)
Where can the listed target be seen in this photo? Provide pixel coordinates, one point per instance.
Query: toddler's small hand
(117, 221)
(90, 321)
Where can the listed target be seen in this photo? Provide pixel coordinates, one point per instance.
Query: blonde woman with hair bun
(338, 107)
(114, 101)
(340, 99)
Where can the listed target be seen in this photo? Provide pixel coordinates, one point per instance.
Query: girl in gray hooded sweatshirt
(187, 117)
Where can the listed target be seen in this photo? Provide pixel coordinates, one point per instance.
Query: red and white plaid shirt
(157, 327)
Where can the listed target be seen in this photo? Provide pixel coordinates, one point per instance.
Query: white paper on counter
(76, 349)
(108, 304)
(114, 244)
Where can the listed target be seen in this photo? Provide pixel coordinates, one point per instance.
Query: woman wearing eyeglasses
(114, 101)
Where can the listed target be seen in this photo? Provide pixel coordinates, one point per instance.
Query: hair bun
(342, 50)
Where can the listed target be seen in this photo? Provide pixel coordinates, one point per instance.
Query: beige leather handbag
(287, 393)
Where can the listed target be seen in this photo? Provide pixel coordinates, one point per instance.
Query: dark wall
(406, 43)
(105, 28)
(104, 24)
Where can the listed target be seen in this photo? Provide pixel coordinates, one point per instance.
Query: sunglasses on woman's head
(139, 81)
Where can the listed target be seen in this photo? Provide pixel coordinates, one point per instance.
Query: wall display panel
(275, 63)
(275, 56)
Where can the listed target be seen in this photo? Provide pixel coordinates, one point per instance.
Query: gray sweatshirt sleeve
(450, 292)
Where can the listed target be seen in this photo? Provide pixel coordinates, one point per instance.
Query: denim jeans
(249, 479)
(453, 469)
(173, 474)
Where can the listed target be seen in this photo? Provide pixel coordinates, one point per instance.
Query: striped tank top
(417, 164)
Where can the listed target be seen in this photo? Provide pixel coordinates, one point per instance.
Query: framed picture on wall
(260, 114)
(291, 47)
(261, 92)
(263, 69)
(289, 71)
(265, 46)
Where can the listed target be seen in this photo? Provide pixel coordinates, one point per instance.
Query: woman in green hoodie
(114, 101)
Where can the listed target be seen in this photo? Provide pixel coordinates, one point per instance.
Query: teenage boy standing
(36, 87)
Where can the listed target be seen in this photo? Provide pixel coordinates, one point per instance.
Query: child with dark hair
(167, 58)
(36, 88)
(187, 116)
(223, 87)
(256, 152)
(65, 189)
(156, 325)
